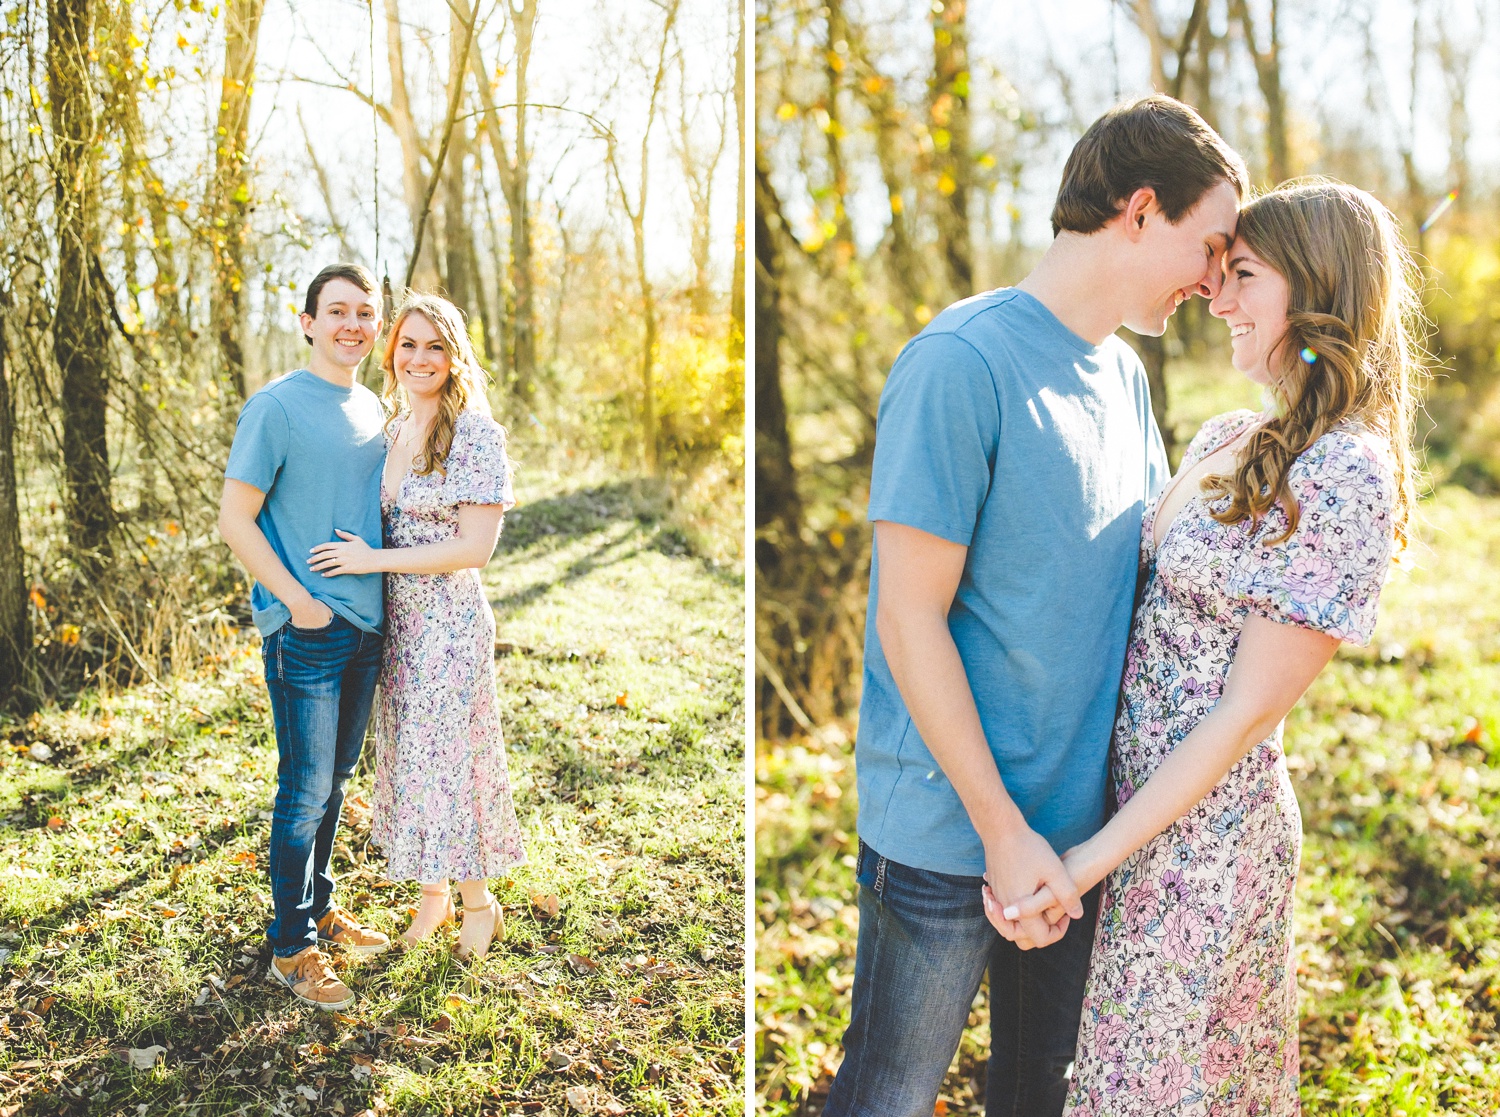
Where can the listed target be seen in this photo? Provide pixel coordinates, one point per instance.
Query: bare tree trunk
(1457, 60)
(698, 168)
(777, 507)
(1268, 75)
(737, 275)
(230, 192)
(165, 289)
(514, 183)
(948, 126)
(835, 47)
(459, 265)
(413, 183)
(1145, 15)
(80, 339)
(15, 621)
(878, 94)
(123, 91)
(496, 337)
(325, 189)
(636, 212)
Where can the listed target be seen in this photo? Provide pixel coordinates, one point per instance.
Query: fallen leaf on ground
(56, 822)
(582, 965)
(545, 906)
(142, 1058)
(443, 1023)
(578, 1098)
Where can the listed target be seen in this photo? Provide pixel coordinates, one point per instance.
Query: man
(1014, 454)
(307, 457)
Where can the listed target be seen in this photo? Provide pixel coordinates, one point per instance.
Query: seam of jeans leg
(856, 1100)
(1015, 1097)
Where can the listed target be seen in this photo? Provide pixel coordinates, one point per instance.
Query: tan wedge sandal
(449, 914)
(497, 930)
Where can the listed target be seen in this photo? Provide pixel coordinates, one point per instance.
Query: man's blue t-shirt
(1002, 430)
(316, 450)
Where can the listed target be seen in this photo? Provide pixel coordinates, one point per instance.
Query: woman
(442, 796)
(1266, 550)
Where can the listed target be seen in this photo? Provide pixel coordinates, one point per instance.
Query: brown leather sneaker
(338, 926)
(307, 975)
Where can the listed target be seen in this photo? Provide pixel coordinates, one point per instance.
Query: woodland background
(906, 156)
(172, 174)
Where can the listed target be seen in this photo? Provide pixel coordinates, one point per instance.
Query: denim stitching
(856, 1102)
(880, 880)
(1015, 1098)
(280, 673)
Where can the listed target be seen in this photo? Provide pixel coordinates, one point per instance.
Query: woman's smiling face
(1253, 304)
(421, 362)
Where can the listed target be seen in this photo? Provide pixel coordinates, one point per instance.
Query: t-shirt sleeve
(478, 468)
(261, 437)
(936, 435)
(1328, 575)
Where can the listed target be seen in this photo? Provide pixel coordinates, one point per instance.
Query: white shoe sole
(379, 948)
(282, 980)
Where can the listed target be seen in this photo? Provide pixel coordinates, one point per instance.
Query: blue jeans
(322, 683)
(924, 944)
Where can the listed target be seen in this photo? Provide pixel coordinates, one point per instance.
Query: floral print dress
(1191, 1003)
(442, 793)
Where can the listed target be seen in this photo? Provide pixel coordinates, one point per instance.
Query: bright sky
(588, 56)
(1089, 53)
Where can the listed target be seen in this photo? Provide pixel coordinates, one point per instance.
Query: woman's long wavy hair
(1353, 350)
(465, 386)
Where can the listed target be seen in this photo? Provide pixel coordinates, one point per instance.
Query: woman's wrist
(1091, 861)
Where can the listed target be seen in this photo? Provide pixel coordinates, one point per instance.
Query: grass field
(1395, 754)
(133, 891)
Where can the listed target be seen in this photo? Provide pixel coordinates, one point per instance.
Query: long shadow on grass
(213, 841)
(1440, 877)
(590, 562)
(57, 785)
(545, 525)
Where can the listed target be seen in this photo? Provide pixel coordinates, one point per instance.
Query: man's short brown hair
(357, 274)
(1155, 142)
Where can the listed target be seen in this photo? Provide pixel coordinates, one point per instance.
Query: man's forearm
(930, 675)
(250, 546)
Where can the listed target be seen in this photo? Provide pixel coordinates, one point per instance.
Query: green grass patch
(1395, 754)
(134, 897)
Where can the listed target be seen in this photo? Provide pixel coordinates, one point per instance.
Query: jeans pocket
(314, 633)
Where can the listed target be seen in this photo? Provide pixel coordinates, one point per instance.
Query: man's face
(1176, 262)
(348, 321)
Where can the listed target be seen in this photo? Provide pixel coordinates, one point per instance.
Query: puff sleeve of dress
(478, 469)
(1328, 575)
(1214, 433)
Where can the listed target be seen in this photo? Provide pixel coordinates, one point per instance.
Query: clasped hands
(1041, 891)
